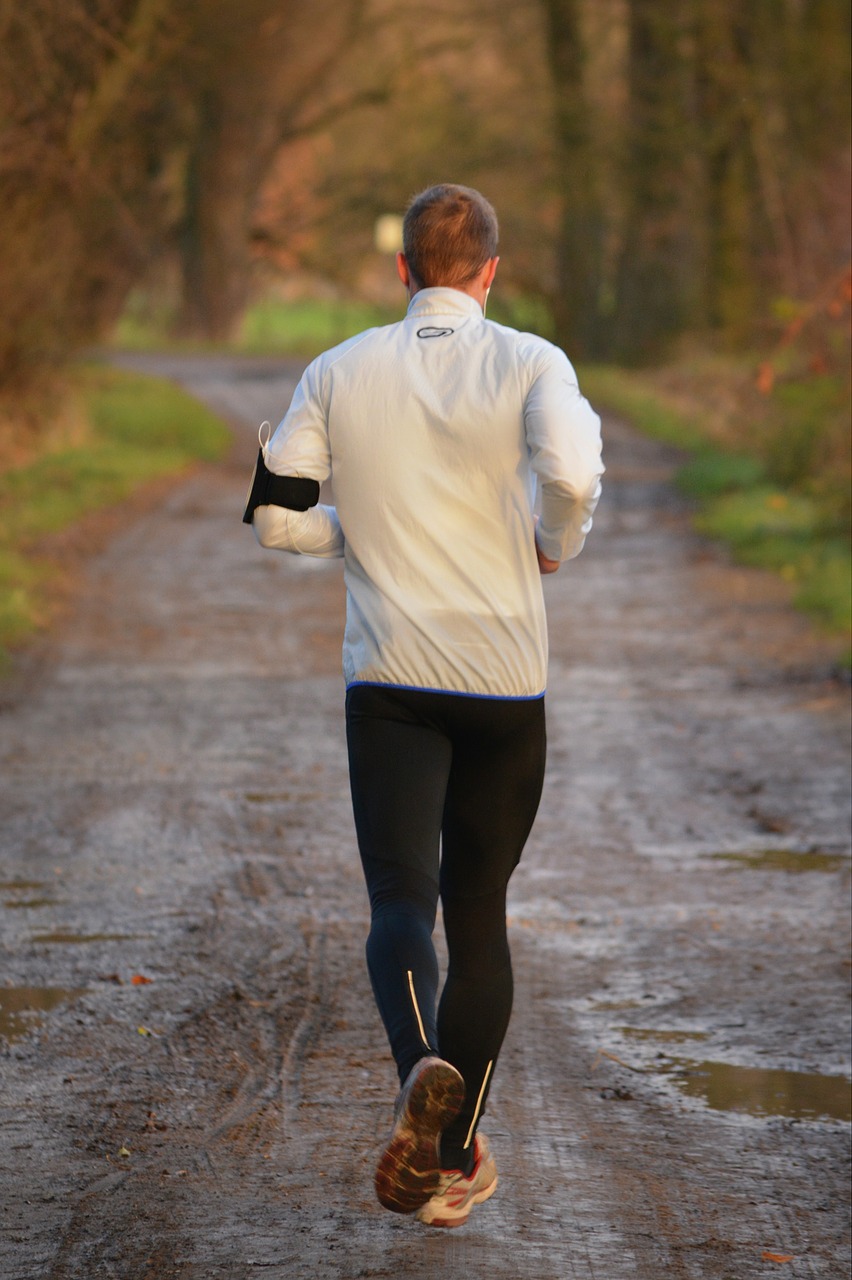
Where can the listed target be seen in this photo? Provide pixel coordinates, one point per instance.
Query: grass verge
(138, 429)
(296, 326)
(307, 326)
(270, 327)
(799, 531)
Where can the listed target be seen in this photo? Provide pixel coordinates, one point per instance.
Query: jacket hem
(455, 693)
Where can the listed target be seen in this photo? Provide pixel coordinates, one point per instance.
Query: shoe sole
(409, 1168)
(481, 1196)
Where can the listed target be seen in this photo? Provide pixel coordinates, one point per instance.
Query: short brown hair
(448, 234)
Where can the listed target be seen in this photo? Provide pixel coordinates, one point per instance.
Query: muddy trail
(195, 1083)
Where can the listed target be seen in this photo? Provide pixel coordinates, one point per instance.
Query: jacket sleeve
(300, 447)
(564, 439)
(315, 532)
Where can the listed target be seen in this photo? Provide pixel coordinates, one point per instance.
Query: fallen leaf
(124, 1151)
(777, 1257)
(143, 1031)
(139, 980)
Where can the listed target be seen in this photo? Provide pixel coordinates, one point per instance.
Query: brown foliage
(657, 168)
(463, 98)
(81, 147)
(250, 84)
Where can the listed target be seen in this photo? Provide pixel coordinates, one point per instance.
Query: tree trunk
(580, 326)
(220, 191)
(660, 280)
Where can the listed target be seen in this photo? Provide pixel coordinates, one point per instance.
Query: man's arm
(312, 533)
(297, 460)
(564, 439)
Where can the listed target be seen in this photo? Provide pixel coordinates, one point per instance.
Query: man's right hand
(545, 565)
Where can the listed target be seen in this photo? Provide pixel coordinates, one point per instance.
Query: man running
(444, 434)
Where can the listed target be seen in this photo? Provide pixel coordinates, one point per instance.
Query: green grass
(301, 327)
(21, 608)
(796, 531)
(649, 410)
(271, 326)
(785, 531)
(307, 327)
(141, 429)
(711, 473)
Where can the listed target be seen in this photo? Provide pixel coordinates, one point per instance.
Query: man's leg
(398, 772)
(398, 767)
(493, 793)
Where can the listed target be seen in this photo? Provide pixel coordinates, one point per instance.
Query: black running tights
(445, 788)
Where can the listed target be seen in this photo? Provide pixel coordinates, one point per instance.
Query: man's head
(449, 237)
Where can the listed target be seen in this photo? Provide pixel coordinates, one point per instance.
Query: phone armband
(269, 490)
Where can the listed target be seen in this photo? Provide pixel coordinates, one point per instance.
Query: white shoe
(456, 1194)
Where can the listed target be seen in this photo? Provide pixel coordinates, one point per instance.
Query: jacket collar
(442, 301)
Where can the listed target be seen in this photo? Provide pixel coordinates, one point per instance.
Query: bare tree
(81, 145)
(468, 100)
(247, 81)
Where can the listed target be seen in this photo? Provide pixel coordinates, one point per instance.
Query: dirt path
(174, 808)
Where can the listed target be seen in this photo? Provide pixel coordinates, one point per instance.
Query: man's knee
(476, 932)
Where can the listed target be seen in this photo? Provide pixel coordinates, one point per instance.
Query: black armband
(268, 490)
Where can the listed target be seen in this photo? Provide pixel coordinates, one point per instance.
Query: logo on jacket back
(431, 332)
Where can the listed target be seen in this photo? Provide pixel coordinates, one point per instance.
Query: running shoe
(456, 1195)
(409, 1169)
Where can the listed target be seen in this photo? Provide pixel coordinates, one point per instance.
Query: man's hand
(545, 565)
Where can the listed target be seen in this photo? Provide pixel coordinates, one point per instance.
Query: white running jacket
(442, 435)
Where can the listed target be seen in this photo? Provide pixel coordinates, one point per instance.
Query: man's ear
(491, 273)
(402, 269)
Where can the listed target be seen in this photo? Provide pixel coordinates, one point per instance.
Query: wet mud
(195, 1082)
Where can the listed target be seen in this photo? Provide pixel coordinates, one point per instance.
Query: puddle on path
(22, 1008)
(665, 1037)
(798, 1095)
(74, 938)
(795, 860)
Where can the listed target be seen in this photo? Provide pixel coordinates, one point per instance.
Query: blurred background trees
(672, 179)
(660, 170)
(135, 136)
